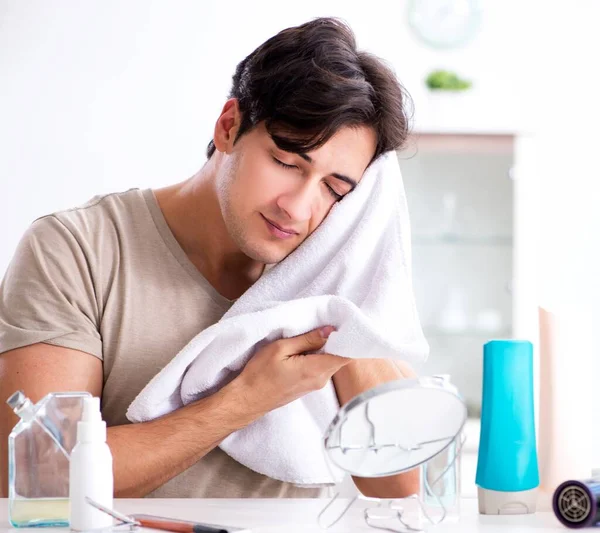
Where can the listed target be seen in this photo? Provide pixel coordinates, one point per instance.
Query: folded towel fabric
(354, 273)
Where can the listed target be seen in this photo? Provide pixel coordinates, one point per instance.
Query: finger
(310, 341)
(325, 362)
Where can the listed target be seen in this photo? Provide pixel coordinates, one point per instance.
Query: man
(101, 297)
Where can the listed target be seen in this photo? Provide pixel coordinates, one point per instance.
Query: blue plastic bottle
(507, 466)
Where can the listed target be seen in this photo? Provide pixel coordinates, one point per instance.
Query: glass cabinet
(460, 193)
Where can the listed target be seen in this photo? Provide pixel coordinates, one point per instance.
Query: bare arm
(359, 376)
(145, 455)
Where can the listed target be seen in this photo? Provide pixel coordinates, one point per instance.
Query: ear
(227, 126)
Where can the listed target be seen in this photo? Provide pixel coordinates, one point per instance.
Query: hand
(285, 370)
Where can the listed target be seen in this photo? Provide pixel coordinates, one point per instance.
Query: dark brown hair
(309, 81)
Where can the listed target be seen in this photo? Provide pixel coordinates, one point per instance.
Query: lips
(281, 228)
(279, 231)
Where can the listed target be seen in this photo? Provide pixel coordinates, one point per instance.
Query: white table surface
(299, 515)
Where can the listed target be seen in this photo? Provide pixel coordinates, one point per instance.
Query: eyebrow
(336, 175)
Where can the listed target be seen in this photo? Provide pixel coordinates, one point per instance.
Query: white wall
(567, 113)
(100, 96)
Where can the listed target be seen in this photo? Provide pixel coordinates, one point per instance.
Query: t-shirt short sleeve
(47, 294)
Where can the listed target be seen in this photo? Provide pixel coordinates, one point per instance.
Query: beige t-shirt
(110, 279)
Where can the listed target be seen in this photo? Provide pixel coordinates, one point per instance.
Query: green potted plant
(449, 99)
(446, 80)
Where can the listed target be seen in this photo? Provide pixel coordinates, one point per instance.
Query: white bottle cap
(21, 405)
(91, 410)
(91, 427)
(500, 502)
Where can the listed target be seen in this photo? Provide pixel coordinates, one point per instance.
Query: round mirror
(395, 427)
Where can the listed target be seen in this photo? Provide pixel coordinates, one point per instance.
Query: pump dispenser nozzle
(91, 410)
(91, 427)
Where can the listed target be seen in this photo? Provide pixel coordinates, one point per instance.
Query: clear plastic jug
(39, 447)
(440, 476)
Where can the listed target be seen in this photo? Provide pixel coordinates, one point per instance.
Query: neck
(193, 213)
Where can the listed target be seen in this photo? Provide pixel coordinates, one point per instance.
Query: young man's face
(272, 200)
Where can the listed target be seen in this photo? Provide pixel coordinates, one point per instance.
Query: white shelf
(463, 240)
(452, 141)
(482, 110)
(466, 333)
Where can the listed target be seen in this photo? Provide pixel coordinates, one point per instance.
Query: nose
(298, 203)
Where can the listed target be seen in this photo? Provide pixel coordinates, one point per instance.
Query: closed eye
(336, 196)
(281, 163)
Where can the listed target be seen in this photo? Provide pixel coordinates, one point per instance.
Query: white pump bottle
(90, 471)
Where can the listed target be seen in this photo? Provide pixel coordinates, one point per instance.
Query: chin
(262, 255)
(265, 252)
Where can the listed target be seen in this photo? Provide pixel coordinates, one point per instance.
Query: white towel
(354, 273)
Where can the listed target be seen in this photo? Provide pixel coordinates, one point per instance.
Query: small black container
(577, 503)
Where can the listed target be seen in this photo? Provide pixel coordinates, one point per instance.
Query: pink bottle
(566, 415)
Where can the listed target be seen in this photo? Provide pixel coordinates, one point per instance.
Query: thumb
(307, 342)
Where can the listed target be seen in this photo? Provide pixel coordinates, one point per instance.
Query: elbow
(390, 487)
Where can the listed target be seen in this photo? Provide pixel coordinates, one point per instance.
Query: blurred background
(501, 170)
